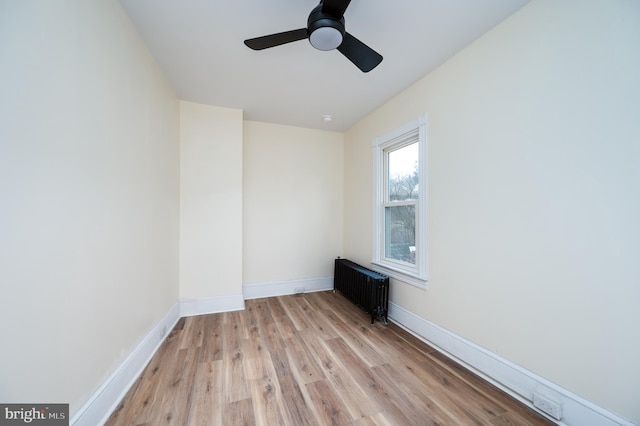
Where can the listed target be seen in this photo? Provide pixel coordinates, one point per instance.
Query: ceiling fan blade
(273, 40)
(359, 53)
(335, 7)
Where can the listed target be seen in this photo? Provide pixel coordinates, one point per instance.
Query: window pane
(400, 233)
(403, 173)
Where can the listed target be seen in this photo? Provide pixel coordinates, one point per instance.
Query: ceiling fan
(325, 31)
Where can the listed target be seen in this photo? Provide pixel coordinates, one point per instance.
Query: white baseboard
(101, 404)
(513, 379)
(281, 288)
(211, 305)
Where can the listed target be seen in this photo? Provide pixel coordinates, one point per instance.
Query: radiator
(367, 289)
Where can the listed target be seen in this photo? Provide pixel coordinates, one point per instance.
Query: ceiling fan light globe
(326, 38)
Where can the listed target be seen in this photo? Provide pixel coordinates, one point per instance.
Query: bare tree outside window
(400, 211)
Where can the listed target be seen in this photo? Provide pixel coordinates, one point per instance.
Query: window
(400, 203)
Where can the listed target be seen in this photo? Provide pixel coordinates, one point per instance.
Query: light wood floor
(308, 359)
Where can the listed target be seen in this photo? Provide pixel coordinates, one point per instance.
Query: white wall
(292, 202)
(210, 201)
(534, 195)
(88, 197)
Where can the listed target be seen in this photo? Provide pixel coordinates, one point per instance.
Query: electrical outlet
(548, 406)
(298, 290)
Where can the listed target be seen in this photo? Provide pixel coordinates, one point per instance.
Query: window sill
(399, 274)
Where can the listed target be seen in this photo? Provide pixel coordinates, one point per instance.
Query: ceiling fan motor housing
(325, 31)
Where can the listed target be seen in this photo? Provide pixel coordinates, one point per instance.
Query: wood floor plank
(378, 419)
(518, 418)
(239, 413)
(316, 319)
(276, 308)
(235, 335)
(250, 320)
(357, 402)
(524, 415)
(328, 406)
(236, 321)
(252, 349)
(176, 400)
(193, 333)
(266, 393)
(297, 406)
(303, 361)
(269, 331)
(140, 404)
(350, 314)
(368, 354)
(291, 307)
(206, 408)
(417, 398)
(462, 403)
(285, 326)
(235, 380)
(416, 406)
(212, 339)
(378, 391)
(310, 359)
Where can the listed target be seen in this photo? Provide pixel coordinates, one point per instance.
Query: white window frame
(415, 275)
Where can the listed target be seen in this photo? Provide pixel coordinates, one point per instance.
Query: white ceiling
(199, 45)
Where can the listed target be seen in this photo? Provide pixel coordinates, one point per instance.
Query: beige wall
(533, 195)
(88, 197)
(292, 202)
(210, 201)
